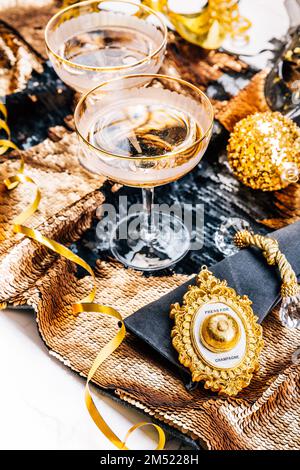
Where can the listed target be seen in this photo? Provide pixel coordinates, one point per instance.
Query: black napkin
(247, 272)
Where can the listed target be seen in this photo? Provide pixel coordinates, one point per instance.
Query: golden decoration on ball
(264, 151)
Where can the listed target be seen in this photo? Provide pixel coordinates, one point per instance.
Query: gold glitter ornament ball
(264, 151)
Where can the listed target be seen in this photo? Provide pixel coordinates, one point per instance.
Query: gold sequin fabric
(28, 18)
(17, 61)
(263, 416)
(263, 148)
(70, 196)
(266, 414)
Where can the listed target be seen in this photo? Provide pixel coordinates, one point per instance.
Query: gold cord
(84, 305)
(273, 255)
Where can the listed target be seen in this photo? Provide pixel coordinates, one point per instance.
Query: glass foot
(140, 249)
(224, 236)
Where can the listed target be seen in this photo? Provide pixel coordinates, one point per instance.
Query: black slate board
(247, 272)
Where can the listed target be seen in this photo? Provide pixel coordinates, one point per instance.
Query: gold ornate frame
(209, 289)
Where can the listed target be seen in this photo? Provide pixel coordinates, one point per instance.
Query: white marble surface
(42, 401)
(269, 19)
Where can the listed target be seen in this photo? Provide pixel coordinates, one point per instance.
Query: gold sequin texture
(264, 151)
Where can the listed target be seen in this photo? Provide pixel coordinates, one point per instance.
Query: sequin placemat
(265, 416)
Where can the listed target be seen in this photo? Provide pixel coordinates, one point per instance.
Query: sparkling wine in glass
(94, 41)
(145, 131)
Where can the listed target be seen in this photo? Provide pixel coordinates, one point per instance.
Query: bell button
(220, 332)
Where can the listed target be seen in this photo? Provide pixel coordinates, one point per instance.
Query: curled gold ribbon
(5, 144)
(87, 305)
(210, 25)
(84, 305)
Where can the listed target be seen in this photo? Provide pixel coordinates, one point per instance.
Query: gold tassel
(290, 291)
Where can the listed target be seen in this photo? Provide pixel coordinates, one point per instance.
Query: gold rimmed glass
(145, 131)
(94, 41)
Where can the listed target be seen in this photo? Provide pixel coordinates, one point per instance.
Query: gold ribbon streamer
(85, 305)
(209, 26)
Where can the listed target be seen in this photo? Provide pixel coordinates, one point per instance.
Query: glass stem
(148, 229)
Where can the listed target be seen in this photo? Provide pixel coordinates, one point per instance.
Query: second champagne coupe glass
(94, 41)
(145, 131)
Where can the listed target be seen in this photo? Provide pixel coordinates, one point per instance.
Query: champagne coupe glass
(94, 41)
(145, 131)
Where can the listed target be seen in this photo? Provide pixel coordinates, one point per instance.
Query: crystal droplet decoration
(289, 312)
(296, 357)
(224, 236)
